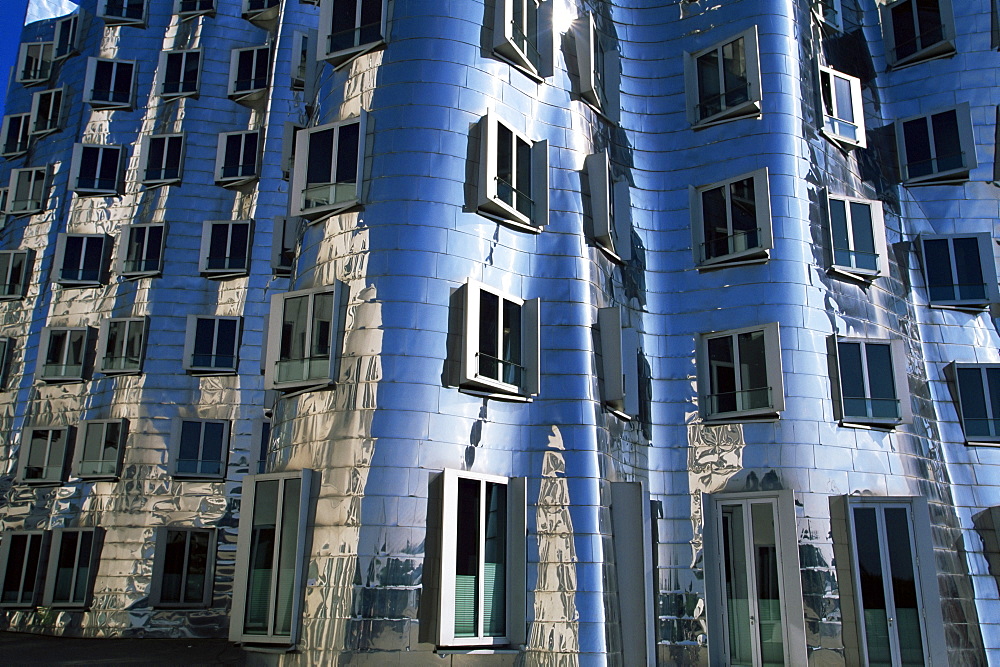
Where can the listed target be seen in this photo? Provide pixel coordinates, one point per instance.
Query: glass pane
(735, 72)
(842, 254)
(288, 557)
(918, 148)
(212, 448)
(322, 325)
(293, 328)
(371, 21)
(65, 567)
(189, 451)
(225, 344)
(319, 166)
(345, 20)
(197, 567)
(709, 84)
(505, 164)
(83, 567)
(929, 22)
(737, 611)
(947, 141)
(262, 553)
(904, 587)
(14, 579)
(754, 390)
(173, 566)
(494, 562)
(872, 587)
(881, 381)
(993, 383)
(204, 341)
(743, 204)
(969, 269)
(904, 33)
(511, 342)
(467, 558)
(852, 380)
(722, 367)
(489, 327)
(716, 222)
(765, 554)
(864, 237)
(347, 153)
(938, 264)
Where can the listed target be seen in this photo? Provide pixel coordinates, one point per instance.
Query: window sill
(870, 424)
(195, 477)
(317, 213)
(88, 192)
(968, 306)
(98, 478)
(618, 412)
(761, 415)
(237, 182)
(520, 62)
(982, 442)
(476, 651)
(97, 104)
(955, 177)
(61, 379)
(942, 49)
(859, 275)
(502, 392)
(751, 109)
(344, 57)
(78, 283)
(842, 142)
(122, 21)
(203, 371)
(173, 96)
(757, 256)
(135, 275)
(508, 217)
(113, 372)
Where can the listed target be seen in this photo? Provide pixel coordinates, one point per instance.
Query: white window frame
(108, 465)
(346, 194)
(737, 253)
(897, 352)
(53, 121)
(830, 12)
(48, 375)
(55, 468)
(184, 87)
(162, 536)
(241, 178)
(987, 263)
(237, 93)
(851, 268)
(530, 352)
(93, 563)
(960, 376)
(513, 568)
(37, 184)
(32, 569)
(284, 244)
(34, 53)
(189, 364)
(122, 19)
(175, 449)
(98, 103)
(134, 327)
(345, 53)
(235, 265)
(179, 8)
(14, 285)
(609, 209)
(127, 263)
(64, 48)
(491, 201)
(534, 59)
(169, 170)
(834, 127)
(102, 241)
(750, 108)
(619, 363)
(967, 146)
(16, 134)
(319, 370)
(772, 369)
(245, 543)
(106, 155)
(938, 49)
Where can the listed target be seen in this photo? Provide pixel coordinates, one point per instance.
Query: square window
(183, 565)
(164, 159)
(723, 81)
(352, 27)
(522, 35)
(100, 443)
(82, 259)
(857, 237)
(270, 558)
(143, 254)
(181, 70)
(513, 176)
(609, 208)
(732, 220)
(15, 269)
(285, 236)
(67, 43)
(73, 564)
(248, 72)
(96, 170)
(328, 163)
(63, 355)
(598, 66)
(619, 363)
(936, 148)
(28, 192)
(977, 389)
(34, 63)
(305, 340)
(43, 455)
(482, 560)
(960, 270)
(225, 248)
(830, 12)
(202, 448)
(189, 8)
(21, 555)
(211, 345)
(16, 133)
(500, 342)
(843, 114)
(871, 386)
(110, 84)
(918, 30)
(47, 111)
(123, 12)
(739, 374)
(122, 341)
(237, 158)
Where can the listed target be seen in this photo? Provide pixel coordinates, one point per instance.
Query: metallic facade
(399, 414)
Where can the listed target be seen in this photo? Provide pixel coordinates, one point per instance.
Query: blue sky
(11, 22)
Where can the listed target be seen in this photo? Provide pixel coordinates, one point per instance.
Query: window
(180, 72)
(741, 370)
(15, 268)
(843, 115)
(211, 345)
(72, 566)
(20, 559)
(305, 338)
(352, 27)
(327, 168)
(619, 363)
(43, 455)
(936, 148)
(202, 447)
(164, 158)
(63, 354)
(101, 443)
(960, 270)
(248, 71)
(522, 35)
(143, 254)
(28, 190)
(598, 66)
(609, 208)
(189, 8)
(46, 111)
(66, 37)
(857, 237)
(723, 82)
(34, 64)
(753, 589)
(110, 84)
(871, 382)
(236, 158)
(123, 12)
(482, 560)
(16, 134)
(270, 558)
(831, 12)
(183, 567)
(732, 220)
(978, 391)
(284, 236)
(122, 343)
(225, 248)
(500, 342)
(96, 170)
(513, 176)
(918, 30)
(81, 259)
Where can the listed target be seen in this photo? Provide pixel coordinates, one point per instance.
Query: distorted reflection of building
(558, 332)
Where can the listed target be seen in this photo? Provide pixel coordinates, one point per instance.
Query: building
(506, 331)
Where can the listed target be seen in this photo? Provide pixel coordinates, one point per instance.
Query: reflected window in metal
(46, 111)
(211, 345)
(21, 554)
(35, 62)
(307, 326)
(871, 381)
(15, 134)
(225, 247)
(143, 255)
(96, 170)
(937, 147)
(202, 448)
(110, 83)
(732, 220)
(857, 236)
(80, 259)
(918, 30)
(960, 270)
(101, 443)
(64, 354)
(723, 81)
(741, 370)
(66, 43)
(237, 158)
(122, 344)
(123, 12)
(43, 455)
(73, 562)
(327, 168)
(28, 190)
(978, 389)
(351, 27)
(843, 115)
(15, 268)
(183, 567)
(181, 70)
